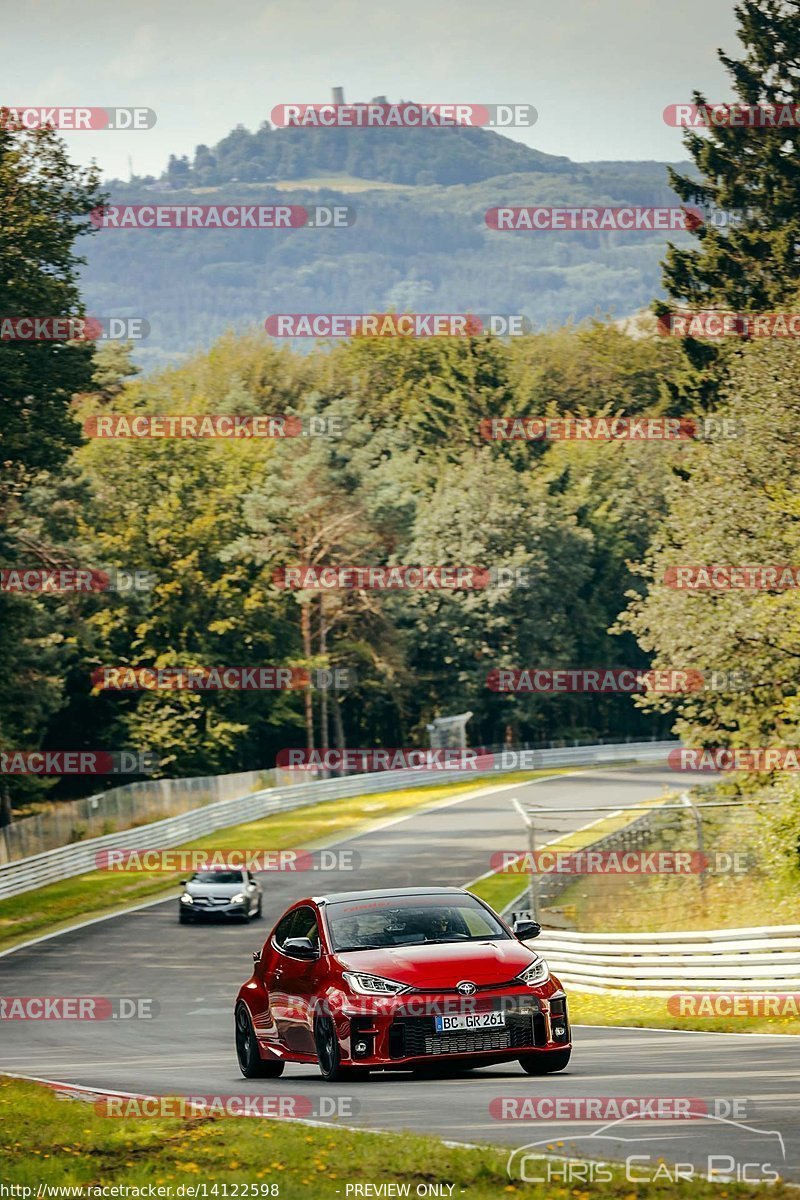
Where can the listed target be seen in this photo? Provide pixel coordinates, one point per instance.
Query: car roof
(388, 894)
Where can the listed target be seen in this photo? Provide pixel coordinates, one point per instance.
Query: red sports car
(359, 981)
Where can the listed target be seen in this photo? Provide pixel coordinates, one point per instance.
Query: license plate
(486, 1020)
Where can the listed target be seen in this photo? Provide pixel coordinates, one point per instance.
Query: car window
(217, 877)
(478, 923)
(283, 929)
(302, 922)
(305, 924)
(409, 921)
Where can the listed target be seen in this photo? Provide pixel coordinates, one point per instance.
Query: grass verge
(46, 1141)
(627, 1008)
(58, 905)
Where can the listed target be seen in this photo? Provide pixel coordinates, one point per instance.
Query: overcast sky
(600, 72)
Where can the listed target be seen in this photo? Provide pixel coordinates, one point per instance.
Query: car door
(267, 997)
(294, 986)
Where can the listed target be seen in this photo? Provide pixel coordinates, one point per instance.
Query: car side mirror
(525, 930)
(256, 956)
(183, 882)
(301, 947)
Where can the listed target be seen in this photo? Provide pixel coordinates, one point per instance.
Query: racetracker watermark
(404, 115)
(402, 325)
(744, 116)
(73, 329)
(212, 425)
(727, 577)
(78, 1008)
(285, 1107)
(590, 680)
(17, 118)
(376, 758)
(313, 578)
(612, 1108)
(74, 579)
(223, 216)
(619, 862)
(189, 861)
(77, 762)
(725, 758)
(734, 1004)
(720, 323)
(724, 218)
(442, 1005)
(607, 429)
(592, 219)
(219, 679)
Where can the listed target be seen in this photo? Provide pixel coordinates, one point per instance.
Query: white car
(224, 893)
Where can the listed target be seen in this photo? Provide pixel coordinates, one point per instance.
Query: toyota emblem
(466, 988)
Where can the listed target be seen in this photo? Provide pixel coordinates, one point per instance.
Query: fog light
(362, 1037)
(559, 1030)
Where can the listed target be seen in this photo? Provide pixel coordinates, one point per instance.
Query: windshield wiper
(350, 949)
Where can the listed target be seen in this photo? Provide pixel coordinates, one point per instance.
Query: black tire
(259, 914)
(545, 1062)
(184, 917)
(251, 1064)
(329, 1054)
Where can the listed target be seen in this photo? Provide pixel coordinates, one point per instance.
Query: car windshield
(379, 924)
(217, 877)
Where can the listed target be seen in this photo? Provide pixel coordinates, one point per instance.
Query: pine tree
(752, 263)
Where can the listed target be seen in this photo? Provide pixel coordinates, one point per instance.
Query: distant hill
(418, 243)
(411, 156)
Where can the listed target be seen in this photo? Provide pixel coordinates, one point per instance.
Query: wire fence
(691, 864)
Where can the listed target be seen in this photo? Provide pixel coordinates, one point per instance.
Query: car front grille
(416, 1037)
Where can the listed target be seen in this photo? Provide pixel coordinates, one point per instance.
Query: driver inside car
(439, 925)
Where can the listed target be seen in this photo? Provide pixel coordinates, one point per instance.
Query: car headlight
(373, 985)
(238, 898)
(538, 972)
(186, 899)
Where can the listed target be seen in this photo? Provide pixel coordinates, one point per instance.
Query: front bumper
(401, 1030)
(198, 909)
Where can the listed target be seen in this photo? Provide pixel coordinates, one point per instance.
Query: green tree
(481, 514)
(734, 501)
(45, 203)
(753, 263)
(171, 507)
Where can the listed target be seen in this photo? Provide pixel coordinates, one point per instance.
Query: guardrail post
(698, 821)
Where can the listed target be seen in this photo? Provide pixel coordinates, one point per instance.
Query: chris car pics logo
(712, 1148)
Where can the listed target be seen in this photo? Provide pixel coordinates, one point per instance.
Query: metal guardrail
(131, 804)
(762, 959)
(64, 862)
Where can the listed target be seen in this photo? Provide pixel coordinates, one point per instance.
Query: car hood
(443, 965)
(214, 889)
